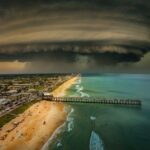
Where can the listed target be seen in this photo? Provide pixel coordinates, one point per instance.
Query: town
(15, 90)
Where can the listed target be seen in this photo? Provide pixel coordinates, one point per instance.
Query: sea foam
(70, 121)
(80, 89)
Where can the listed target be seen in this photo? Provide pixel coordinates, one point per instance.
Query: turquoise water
(120, 127)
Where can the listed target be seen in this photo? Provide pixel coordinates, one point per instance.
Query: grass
(8, 117)
(39, 88)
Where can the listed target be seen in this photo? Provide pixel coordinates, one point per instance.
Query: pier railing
(95, 100)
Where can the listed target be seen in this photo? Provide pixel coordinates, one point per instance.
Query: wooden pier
(95, 100)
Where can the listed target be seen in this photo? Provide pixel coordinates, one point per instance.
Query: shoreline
(61, 90)
(54, 135)
(27, 131)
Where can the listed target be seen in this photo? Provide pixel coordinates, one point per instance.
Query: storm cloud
(66, 36)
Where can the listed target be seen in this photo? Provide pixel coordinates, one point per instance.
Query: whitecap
(59, 144)
(82, 94)
(92, 117)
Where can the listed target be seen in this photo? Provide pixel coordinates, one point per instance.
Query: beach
(61, 90)
(32, 129)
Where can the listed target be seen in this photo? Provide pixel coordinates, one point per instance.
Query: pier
(8, 107)
(98, 100)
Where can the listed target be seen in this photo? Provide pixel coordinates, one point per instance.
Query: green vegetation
(13, 114)
(38, 88)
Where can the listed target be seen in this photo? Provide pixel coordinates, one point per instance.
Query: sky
(55, 36)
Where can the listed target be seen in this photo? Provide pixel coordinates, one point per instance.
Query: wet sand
(31, 129)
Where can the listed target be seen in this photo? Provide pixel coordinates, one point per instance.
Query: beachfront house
(47, 96)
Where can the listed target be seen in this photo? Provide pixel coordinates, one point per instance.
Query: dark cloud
(100, 54)
(76, 34)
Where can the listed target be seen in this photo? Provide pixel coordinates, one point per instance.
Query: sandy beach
(31, 129)
(61, 90)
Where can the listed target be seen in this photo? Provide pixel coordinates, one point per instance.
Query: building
(47, 96)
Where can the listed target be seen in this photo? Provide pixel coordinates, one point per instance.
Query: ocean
(119, 127)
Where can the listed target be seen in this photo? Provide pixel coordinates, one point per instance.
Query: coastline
(33, 128)
(61, 90)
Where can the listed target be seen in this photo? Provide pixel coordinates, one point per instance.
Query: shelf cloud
(66, 36)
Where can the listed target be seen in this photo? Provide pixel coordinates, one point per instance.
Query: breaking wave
(80, 89)
(70, 121)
